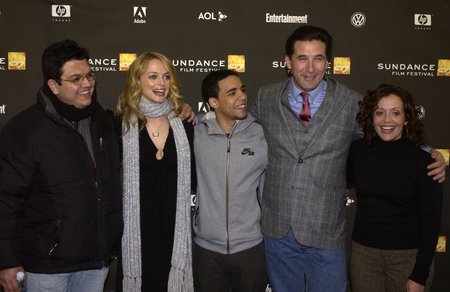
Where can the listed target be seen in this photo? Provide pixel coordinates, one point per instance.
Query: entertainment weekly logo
(286, 18)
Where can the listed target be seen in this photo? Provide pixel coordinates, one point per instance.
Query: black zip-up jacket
(59, 211)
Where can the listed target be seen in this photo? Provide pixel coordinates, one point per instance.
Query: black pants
(243, 271)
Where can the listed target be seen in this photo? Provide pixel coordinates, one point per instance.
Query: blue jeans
(292, 266)
(82, 281)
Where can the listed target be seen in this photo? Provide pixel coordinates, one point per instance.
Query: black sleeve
(17, 170)
(118, 129)
(429, 195)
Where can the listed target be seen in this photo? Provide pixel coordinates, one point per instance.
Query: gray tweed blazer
(306, 174)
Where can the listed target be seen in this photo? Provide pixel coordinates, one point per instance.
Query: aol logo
(358, 19)
(212, 16)
(61, 10)
(222, 16)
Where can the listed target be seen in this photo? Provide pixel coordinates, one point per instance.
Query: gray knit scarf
(180, 276)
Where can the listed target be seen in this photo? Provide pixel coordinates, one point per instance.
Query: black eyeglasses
(79, 79)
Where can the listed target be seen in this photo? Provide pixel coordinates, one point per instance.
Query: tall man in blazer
(309, 124)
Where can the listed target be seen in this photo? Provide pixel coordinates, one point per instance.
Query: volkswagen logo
(358, 19)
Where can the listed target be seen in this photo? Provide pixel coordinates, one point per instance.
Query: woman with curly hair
(157, 163)
(399, 207)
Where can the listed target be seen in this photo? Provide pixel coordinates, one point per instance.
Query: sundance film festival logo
(125, 60)
(198, 66)
(341, 65)
(443, 67)
(140, 14)
(279, 64)
(411, 69)
(422, 21)
(17, 61)
(358, 19)
(236, 63)
(282, 64)
(211, 16)
(2, 63)
(99, 64)
(61, 13)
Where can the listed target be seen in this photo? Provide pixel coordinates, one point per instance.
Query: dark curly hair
(57, 54)
(413, 130)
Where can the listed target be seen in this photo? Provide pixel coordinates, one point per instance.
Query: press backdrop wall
(402, 42)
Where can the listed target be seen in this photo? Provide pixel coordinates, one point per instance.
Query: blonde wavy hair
(130, 96)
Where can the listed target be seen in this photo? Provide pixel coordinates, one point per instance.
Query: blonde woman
(157, 163)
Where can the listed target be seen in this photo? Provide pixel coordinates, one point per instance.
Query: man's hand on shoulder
(437, 168)
(187, 114)
(412, 286)
(8, 279)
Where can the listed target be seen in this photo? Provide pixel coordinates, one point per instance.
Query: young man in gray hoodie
(231, 158)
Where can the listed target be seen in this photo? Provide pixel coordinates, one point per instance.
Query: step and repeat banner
(402, 42)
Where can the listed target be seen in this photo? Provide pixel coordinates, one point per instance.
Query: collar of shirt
(316, 96)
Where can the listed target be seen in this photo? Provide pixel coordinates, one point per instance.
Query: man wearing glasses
(60, 195)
